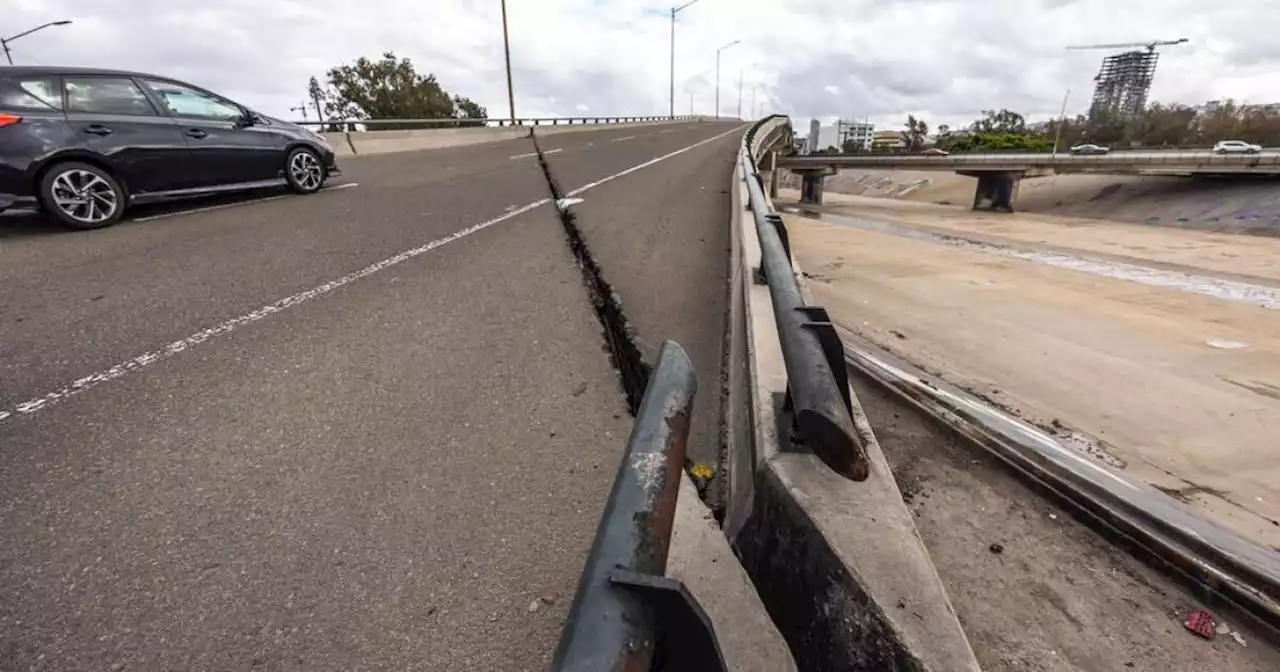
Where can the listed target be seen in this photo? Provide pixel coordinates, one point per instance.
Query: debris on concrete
(548, 598)
(1201, 623)
(1222, 629)
(1239, 639)
(901, 336)
(1225, 345)
(996, 548)
(533, 606)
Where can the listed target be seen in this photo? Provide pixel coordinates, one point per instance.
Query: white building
(835, 135)
(860, 132)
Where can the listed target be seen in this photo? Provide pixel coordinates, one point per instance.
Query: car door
(226, 147)
(112, 117)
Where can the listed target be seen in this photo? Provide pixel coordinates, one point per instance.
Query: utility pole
(302, 107)
(506, 46)
(674, 11)
(691, 104)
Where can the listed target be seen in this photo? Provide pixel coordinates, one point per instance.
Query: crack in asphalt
(628, 361)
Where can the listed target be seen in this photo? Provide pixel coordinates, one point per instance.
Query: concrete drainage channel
(839, 563)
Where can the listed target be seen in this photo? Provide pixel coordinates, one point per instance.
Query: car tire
(304, 171)
(82, 196)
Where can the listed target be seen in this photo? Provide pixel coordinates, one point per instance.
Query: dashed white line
(147, 358)
(222, 206)
(629, 137)
(646, 164)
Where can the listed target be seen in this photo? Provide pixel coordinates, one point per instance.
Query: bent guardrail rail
(626, 615)
(817, 380)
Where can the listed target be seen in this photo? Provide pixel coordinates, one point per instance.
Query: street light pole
(674, 11)
(4, 42)
(506, 47)
(718, 74)
(1062, 117)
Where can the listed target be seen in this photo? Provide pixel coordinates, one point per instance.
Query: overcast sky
(943, 60)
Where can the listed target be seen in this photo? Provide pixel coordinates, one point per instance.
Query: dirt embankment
(1244, 205)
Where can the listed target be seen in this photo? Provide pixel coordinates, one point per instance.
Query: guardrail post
(626, 614)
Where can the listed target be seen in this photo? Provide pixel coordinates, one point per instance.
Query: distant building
(836, 135)
(888, 140)
(858, 132)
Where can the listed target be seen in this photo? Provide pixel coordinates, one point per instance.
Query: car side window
(184, 101)
(30, 93)
(106, 95)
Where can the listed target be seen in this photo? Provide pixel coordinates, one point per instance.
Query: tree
(391, 88)
(917, 130)
(1003, 121)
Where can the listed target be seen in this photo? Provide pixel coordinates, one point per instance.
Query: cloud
(942, 60)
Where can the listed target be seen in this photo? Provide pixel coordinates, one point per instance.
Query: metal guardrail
(453, 122)
(1200, 160)
(626, 615)
(817, 380)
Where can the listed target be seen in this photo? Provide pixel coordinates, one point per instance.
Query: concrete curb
(1220, 567)
(838, 563)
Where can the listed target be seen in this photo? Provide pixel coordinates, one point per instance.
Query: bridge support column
(811, 184)
(996, 190)
(769, 173)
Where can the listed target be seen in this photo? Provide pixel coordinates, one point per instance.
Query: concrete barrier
(360, 143)
(838, 563)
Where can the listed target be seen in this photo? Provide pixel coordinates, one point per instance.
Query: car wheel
(82, 196)
(304, 171)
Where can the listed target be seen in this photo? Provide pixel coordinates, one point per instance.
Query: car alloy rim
(306, 170)
(84, 196)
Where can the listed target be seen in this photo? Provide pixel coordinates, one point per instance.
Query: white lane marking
(667, 131)
(566, 202)
(629, 137)
(650, 162)
(146, 359)
(525, 156)
(222, 206)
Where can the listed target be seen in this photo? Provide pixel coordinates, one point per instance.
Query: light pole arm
(42, 27)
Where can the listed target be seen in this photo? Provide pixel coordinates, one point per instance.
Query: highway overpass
(998, 173)
(363, 429)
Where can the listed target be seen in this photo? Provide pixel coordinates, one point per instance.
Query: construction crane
(1150, 46)
(1122, 84)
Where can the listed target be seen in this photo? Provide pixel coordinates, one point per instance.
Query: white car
(1090, 148)
(1236, 147)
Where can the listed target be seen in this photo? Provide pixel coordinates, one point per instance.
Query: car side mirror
(247, 119)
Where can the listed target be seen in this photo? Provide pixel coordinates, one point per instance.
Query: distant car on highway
(1090, 148)
(85, 144)
(934, 151)
(1236, 147)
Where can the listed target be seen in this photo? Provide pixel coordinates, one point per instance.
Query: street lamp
(674, 11)
(4, 42)
(742, 70)
(506, 47)
(718, 74)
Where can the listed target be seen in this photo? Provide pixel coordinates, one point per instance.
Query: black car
(85, 144)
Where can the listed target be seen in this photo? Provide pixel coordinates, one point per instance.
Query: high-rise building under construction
(1121, 87)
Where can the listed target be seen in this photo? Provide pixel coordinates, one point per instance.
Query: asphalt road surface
(371, 428)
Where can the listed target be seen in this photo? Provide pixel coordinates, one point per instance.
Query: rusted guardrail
(626, 615)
